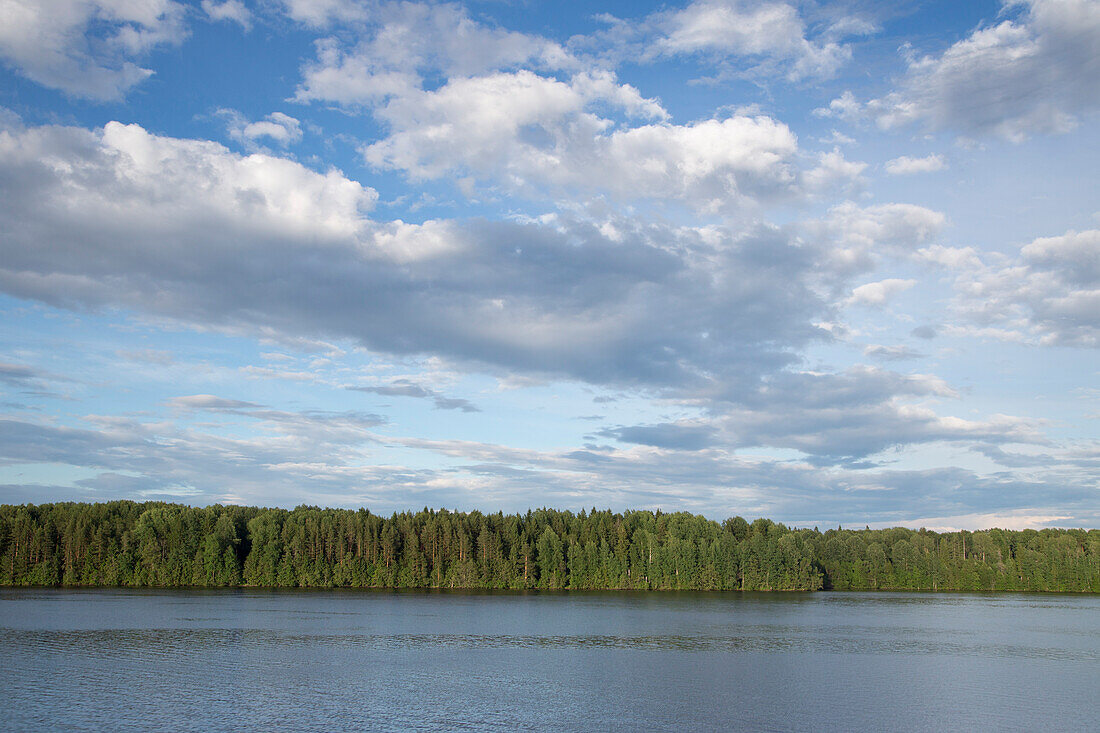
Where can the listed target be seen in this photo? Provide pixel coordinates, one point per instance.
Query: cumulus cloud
(531, 133)
(401, 42)
(845, 107)
(189, 230)
(228, 10)
(951, 258)
(613, 282)
(1032, 74)
(276, 128)
(858, 237)
(897, 226)
(87, 48)
(833, 171)
(466, 119)
(127, 180)
(905, 165)
(1049, 293)
(770, 36)
(322, 13)
(519, 113)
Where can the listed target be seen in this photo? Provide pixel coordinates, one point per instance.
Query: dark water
(248, 660)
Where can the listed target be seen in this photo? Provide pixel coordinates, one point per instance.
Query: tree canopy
(123, 543)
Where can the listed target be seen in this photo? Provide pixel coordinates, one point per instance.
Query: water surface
(316, 660)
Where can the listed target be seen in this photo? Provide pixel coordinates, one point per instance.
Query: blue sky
(828, 263)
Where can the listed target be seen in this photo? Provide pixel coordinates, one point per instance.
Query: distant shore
(154, 544)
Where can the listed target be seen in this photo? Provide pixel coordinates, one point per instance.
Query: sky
(829, 263)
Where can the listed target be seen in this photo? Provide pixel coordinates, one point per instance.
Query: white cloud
(836, 138)
(86, 48)
(399, 42)
(228, 10)
(900, 226)
(188, 230)
(1049, 294)
(906, 165)
(351, 79)
(321, 13)
(833, 170)
(954, 258)
(845, 107)
(733, 27)
(129, 176)
(1033, 74)
(278, 128)
(771, 35)
(529, 133)
(858, 237)
(514, 112)
(877, 293)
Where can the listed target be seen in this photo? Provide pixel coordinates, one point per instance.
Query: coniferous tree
(155, 544)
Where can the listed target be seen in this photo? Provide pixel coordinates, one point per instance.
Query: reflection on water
(85, 660)
(161, 642)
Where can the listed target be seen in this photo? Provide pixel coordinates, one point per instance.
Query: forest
(124, 543)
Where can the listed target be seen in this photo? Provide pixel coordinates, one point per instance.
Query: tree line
(123, 543)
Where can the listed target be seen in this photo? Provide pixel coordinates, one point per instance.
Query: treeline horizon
(157, 544)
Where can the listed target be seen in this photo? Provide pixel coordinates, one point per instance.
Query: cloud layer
(188, 230)
(394, 253)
